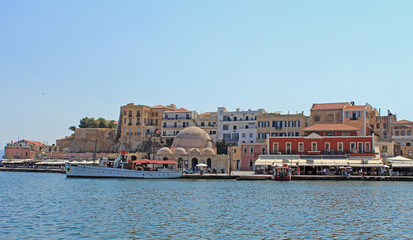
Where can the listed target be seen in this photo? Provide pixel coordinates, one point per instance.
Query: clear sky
(63, 60)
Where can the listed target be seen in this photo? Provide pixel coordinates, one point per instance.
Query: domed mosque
(192, 146)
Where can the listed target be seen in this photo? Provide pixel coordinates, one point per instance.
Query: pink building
(249, 154)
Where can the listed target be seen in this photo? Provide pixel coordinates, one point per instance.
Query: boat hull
(87, 171)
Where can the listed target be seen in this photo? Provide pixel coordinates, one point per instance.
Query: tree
(87, 122)
(222, 146)
(73, 128)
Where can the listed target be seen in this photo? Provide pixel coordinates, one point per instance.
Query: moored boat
(123, 167)
(282, 173)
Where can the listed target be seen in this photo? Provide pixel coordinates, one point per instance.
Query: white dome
(164, 150)
(208, 151)
(179, 150)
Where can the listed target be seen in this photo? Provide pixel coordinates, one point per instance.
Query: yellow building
(208, 122)
(362, 117)
(138, 123)
(279, 125)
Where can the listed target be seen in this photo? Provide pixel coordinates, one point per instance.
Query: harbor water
(51, 206)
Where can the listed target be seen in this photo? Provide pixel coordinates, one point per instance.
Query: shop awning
(402, 164)
(266, 162)
(142, 161)
(366, 163)
(163, 162)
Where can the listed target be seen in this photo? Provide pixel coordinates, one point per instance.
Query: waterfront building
(280, 125)
(192, 146)
(403, 138)
(138, 124)
(140, 120)
(249, 154)
(323, 146)
(327, 113)
(174, 121)
(239, 126)
(362, 117)
(328, 139)
(23, 149)
(234, 153)
(384, 126)
(208, 122)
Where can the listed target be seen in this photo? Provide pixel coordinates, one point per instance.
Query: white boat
(120, 168)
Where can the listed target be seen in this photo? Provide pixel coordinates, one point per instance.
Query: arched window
(209, 163)
(165, 158)
(194, 162)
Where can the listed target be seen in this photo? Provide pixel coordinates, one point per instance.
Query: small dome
(208, 151)
(193, 151)
(164, 150)
(179, 150)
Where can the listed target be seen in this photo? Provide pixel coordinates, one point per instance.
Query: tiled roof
(330, 127)
(326, 106)
(181, 110)
(36, 143)
(159, 106)
(355, 107)
(404, 121)
(205, 114)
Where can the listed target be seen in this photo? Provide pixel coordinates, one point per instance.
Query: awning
(142, 161)
(366, 163)
(50, 163)
(266, 162)
(163, 162)
(323, 162)
(403, 164)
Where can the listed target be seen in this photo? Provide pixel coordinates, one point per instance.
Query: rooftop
(326, 106)
(353, 107)
(330, 127)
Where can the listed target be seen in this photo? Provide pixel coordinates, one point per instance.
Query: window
(316, 118)
(251, 163)
(360, 147)
(353, 147)
(275, 147)
(202, 124)
(251, 149)
(397, 133)
(367, 147)
(330, 117)
(409, 132)
(403, 133)
(259, 124)
(243, 135)
(327, 147)
(385, 134)
(245, 149)
(263, 150)
(347, 116)
(251, 135)
(408, 144)
(313, 146)
(267, 123)
(384, 125)
(288, 147)
(225, 127)
(297, 134)
(301, 147)
(234, 127)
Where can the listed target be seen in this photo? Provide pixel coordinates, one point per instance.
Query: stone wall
(84, 140)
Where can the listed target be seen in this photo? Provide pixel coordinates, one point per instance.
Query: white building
(174, 121)
(239, 126)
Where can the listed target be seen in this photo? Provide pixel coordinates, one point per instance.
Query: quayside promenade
(247, 175)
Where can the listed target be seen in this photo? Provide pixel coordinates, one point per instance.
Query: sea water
(51, 206)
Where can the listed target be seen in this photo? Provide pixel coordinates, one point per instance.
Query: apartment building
(237, 126)
(208, 122)
(280, 125)
(140, 121)
(176, 120)
(402, 136)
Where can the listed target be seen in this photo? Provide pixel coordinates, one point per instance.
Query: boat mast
(94, 156)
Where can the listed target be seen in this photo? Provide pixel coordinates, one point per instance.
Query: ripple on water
(39, 206)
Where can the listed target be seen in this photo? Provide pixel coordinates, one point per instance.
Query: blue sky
(63, 60)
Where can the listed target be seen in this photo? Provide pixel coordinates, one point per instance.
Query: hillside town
(335, 136)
